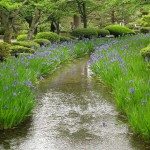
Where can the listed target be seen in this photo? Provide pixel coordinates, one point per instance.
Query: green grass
(20, 76)
(121, 66)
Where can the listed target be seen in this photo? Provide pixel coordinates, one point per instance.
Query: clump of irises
(19, 77)
(119, 64)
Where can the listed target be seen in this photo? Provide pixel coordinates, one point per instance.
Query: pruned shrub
(118, 30)
(145, 52)
(22, 37)
(64, 39)
(4, 51)
(20, 49)
(42, 42)
(85, 33)
(102, 32)
(145, 30)
(29, 44)
(52, 37)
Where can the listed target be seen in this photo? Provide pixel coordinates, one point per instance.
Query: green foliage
(64, 38)
(118, 30)
(121, 67)
(102, 32)
(145, 30)
(28, 44)
(42, 42)
(20, 49)
(83, 48)
(22, 37)
(23, 31)
(45, 27)
(145, 52)
(2, 31)
(85, 33)
(4, 50)
(145, 21)
(52, 37)
(18, 78)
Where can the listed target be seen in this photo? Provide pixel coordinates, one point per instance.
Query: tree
(8, 13)
(85, 8)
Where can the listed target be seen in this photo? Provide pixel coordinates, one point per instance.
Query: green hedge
(4, 50)
(22, 37)
(145, 52)
(20, 49)
(102, 32)
(42, 42)
(85, 33)
(64, 39)
(28, 44)
(118, 30)
(145, 30)
(52, 37)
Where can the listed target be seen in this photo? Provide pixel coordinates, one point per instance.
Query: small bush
(85, 33)
(23, 32)
(4, 51)
(145, 21)
(22, 37)
(64, 39)
(145, 30)
(53, 37)
(145, 52)
(28, 44)
(118, 30)
(102, 32)
(42, 42)
(20, 49)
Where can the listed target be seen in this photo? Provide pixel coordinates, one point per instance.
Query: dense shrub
(118, 30)
(145, 52)
(64, 38)
(145, 21)
(42, 42)
(20, 49)
(53, 37)
(23, 32)
(22, 37)
(4, 50)
(85, 33)
(145, 30)
(44, 27)
(102, 32)
(29, 44)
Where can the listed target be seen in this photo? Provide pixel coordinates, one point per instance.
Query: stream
(74, 112)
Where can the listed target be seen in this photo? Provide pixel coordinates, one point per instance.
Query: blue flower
(132, 90)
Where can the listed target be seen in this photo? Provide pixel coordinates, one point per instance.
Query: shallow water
(74, 112)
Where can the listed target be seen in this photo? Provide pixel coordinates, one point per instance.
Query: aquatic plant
(20, 76)
(119, 64)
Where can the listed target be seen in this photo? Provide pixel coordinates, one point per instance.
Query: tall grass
(119, 64)
(18, 78)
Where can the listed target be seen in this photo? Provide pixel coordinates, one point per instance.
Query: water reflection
(74, 112)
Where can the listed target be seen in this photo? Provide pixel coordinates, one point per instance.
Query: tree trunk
(34, 24)
(7, 25)
(83, 12)
(84, 15)
(76, 21)
(112, 16)
(8, 33)
(57, 27)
